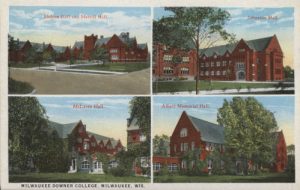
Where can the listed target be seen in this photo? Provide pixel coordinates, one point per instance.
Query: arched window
(183, 132)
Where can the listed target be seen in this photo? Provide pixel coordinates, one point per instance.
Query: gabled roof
(210, 132)
(98, 137)
(133, 125)
(59, 49)
(63, 130)
(39, 46)
(256, 44)
(142, 46)
(78, 45)
(102, 41)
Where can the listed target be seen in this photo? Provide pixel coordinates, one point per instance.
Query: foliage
(125, 161)
(195, 166)
(290, 170)
(32, 56)
(217, 158)
(288, 72)
(161, 145)
(248, 131)
(33, 146)
(18, 87)
(100, 54)
(291, 149)
(140, 109)
(101, 157)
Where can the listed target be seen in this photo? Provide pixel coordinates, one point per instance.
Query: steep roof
(133, 124)
(210, 132)
(102, 41)
(63, 130)
(98, 137)
(78, 45)
(256, 44)
(142, 46)
(59, 49)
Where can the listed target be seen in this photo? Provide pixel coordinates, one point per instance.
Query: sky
(109, 120)
(251, 23)
(65, 25)
(165, 119)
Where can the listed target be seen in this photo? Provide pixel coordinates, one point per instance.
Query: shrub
(119, 171)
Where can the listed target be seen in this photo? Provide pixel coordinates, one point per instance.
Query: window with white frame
(218, 64)
(193, 145)
(168, 57)
(201, 73)
(224, 72)
(85, 145)
(85, 164)
(206, 73)
(218, 73)
(224, 63)
(212, 64)
(184, 147)
(209, 164)
(175, 148)
(114, 57)
(207, 64)
(172, 167)
(113, 164)
(185, 59)
(184, 71)
(183, 132)
(156, 167)
(183, 164)
(240, 66)
(241, 50)
(168, 70)
(114, 50)
(212, 73)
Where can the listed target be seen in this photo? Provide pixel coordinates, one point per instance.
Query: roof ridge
(204, 120)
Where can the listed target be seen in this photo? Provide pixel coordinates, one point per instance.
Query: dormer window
(215, 56)
(241, 50)
(183, 132)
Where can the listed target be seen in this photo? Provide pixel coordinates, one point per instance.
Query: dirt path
(49, 82)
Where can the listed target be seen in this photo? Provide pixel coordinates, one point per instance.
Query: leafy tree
(12, 44)
(248, 131)
(100, 53)
(161, 145)
(288, 72)
(195, 166)
(194, 27)
(140, 109)
(104, 159)
(291, 149)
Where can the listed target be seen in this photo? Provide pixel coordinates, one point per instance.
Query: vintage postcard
(224, 139)
(74, 139)
(79, 50)
(216, 50)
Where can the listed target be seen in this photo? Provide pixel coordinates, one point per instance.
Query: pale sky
(165, 119)
(254, 23)
(70, 24)
(110, 121)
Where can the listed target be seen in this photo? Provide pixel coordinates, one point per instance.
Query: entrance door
(240, 71)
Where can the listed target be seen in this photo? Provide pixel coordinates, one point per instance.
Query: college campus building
(120, 48)
(192, 133)
(253, 60)
(84, 145)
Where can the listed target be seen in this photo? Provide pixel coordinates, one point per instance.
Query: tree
(248, 131)
(161, 145)
(193, 27)
(140, 108)
(288, 72)
(100, 53)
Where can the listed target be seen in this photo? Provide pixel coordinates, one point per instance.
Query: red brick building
(253, 60)
(84, 146)
(191, 134)
(122, 48)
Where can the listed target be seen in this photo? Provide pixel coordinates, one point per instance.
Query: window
(85, 163)
(168, 57)
(113, 50)
(193, 145)
(156, 167)
(241, 50)
(218, 73)
(257, 61)
(224, 63)
(97, 165)
(172, 167)
(174, 147)
(201, 73)
(218, 64)
(212, 73)
(183, 132)
(206, 73)
(209, 164)
(79, 140)
(142, 138)
(185, 59)
(240, 66)
(224, 72)
(207, 64)
(114, 57)
(202, 64)
(168, 70)
(183, 164)
(113, 164)
(227, 55)
(184, 147)
(212, 64)
(85, 145)
(215, 56)
(184, 71)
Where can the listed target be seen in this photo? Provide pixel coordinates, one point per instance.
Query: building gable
(115, 41)
(274, 45)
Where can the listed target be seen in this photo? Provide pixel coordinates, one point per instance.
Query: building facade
(253, 60)
(192, 134)
(84, 145)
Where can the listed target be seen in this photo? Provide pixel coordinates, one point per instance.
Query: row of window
(169, 70)
(213, 73)
(217, 64)
(171, 167)
(170, 57)
(184, 147)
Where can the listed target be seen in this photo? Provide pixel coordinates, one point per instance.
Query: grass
(264, 177)
(75, 177)
(28, 65)
(17, 87)
(118, 67)
(178, 86)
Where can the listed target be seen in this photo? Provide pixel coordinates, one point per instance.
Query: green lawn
(75, 177)
(118, 67)
(28, 65)
(17, 87)
(265, 177)
(178, 86)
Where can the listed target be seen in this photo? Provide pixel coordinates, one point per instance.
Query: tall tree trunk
(197, 61)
